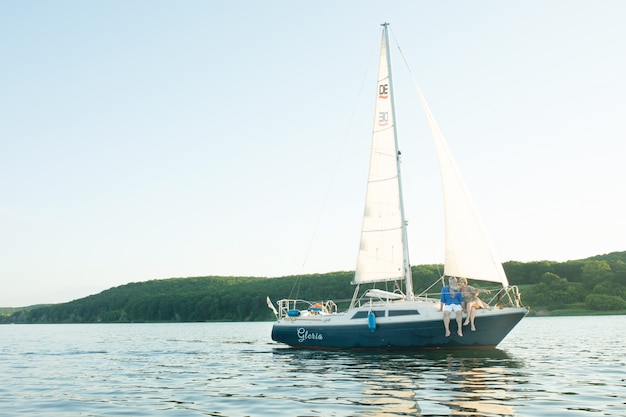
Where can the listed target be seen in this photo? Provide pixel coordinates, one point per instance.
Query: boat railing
(374, 300)
(428, 297)
(297, 307)
(507, 297)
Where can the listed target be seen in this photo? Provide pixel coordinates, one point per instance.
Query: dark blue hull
(417, 334)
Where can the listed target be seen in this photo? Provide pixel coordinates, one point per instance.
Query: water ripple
(546, 367)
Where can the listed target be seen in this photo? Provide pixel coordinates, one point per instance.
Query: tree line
(593, 284)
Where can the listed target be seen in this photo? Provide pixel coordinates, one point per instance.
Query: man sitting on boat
(452, 301)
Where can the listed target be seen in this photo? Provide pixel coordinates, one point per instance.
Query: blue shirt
(447, 299)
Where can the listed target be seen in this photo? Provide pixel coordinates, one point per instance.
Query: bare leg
(468, 309)
(472, 317)
(471, 313)
(459, 321)
(446, 322)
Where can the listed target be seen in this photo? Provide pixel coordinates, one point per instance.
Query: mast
(405, 242)
(383, 251)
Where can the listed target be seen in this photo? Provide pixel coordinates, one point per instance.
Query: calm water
(546, 367)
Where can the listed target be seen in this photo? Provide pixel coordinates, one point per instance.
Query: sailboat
(400, 319)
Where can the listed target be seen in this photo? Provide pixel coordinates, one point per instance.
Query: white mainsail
(383, 255)
(469, 252)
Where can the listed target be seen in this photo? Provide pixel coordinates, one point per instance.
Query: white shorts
(452, 307)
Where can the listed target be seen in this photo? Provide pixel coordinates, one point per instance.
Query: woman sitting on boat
(472, 302)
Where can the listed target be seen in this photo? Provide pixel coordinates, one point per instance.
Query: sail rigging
(383, 251)
(380, 319)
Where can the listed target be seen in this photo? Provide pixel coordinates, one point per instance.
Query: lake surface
(558, 366)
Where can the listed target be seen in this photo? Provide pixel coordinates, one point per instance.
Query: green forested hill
(186, 299)
(593, 284)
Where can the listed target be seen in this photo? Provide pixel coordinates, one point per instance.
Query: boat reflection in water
(468, 382)
(479, 387)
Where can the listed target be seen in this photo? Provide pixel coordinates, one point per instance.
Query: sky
(155, 139)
